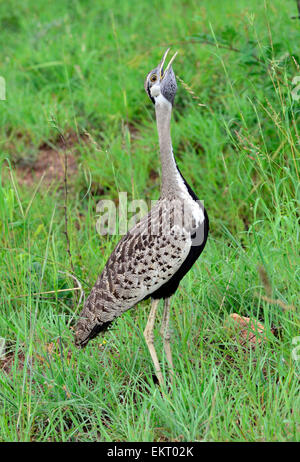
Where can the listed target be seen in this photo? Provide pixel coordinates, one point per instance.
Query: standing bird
(152, 258)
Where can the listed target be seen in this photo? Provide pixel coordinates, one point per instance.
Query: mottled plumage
(151, 259)
(144, 260)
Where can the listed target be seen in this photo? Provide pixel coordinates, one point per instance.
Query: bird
(152, 258)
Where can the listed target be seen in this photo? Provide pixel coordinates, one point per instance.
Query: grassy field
(76, 68)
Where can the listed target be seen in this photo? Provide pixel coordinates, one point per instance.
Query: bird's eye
(153, 78)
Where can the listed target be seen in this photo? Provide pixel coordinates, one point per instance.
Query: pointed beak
(161, 72)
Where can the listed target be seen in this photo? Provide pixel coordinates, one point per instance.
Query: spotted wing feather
(144, 259)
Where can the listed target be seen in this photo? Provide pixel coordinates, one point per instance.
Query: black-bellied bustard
(152, 258)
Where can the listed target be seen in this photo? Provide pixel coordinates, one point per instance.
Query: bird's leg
(166, 335)
(148, 334)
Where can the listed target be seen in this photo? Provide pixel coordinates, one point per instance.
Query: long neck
(170, 174)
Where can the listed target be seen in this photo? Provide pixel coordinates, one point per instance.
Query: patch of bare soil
(50, 163)
(246, 335)
(248, 332)
(10, 360)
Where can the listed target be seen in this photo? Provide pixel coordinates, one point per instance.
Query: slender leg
(165, 333)
(148, 334)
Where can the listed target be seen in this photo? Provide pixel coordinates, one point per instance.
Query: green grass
(81, 66)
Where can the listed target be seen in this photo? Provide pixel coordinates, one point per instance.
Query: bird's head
(160, 82)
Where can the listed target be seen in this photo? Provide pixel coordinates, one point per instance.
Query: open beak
(161, 72)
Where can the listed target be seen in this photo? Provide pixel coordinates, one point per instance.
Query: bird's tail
(93, 320)
(83, 335)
